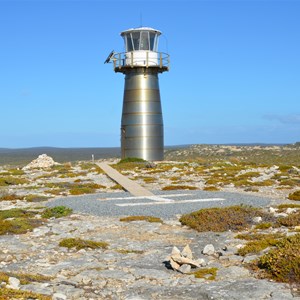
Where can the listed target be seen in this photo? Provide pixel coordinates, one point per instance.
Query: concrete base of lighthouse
(142, 133)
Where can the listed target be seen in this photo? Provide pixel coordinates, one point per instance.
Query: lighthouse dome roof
(140, 29)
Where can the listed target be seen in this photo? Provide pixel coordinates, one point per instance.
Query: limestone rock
(257, 220)
(43, 161)
(185, 269)
(209, 249)
(59, 296)
(187, 252)
(13, 283)
(183, 260)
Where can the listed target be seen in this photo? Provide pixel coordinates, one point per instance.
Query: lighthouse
(142, 132)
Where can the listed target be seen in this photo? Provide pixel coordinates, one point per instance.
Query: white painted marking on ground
(169, 202)
(145, 197)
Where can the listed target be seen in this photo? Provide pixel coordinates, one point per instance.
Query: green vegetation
(206, 273)
(141, 218)
(294, 196)
(283, 262)
(81, 244)
(221, 219)
(127, 251)
(91, 167)
(264, 226)
(178, 187)
(24, 278)
(131, 159)
(290, 221)
(7, 294)
(56, 212)
(10, 197)
(35, 198)
(211, 188)
(20, 221)
(85, 188)
(288, 205)
(117, 187)
(10, 180)
(258, 242)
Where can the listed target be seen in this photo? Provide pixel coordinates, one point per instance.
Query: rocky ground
(134, 264)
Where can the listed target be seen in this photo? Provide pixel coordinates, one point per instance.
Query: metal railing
(141, 59)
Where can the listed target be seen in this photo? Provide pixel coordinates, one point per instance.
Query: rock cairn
(183, 261)
(43, 161)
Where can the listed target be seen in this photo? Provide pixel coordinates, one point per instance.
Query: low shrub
(16, 213)
(18, 225)
(131, 159)
(35, 198)
(290, 221)
(178, 187)
(7, 294)
(206, 273)
(10, 197)
(81, 244)
(288, 205)
(85, 188)
(220, 219)
(141, 218)
(258, 242)
(24, 277)
(10, 180)
(211, 188)
(283, 263)
(263, 225)
(294, 196)
(56, 212)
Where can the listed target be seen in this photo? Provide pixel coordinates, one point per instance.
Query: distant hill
(26, 155)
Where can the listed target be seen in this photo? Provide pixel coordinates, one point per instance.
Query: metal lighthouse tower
(142, 133)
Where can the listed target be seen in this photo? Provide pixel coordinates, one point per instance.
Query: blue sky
(234, 77)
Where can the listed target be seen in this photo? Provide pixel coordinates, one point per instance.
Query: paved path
(163, 204)
(129, 185)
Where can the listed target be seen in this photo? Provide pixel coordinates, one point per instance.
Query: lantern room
(141, 46)
(141, 39)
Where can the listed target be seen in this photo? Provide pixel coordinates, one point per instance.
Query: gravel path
(107, 204)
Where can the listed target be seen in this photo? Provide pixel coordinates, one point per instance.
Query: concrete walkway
(129, 185)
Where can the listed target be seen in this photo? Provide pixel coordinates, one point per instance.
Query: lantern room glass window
(141, 40)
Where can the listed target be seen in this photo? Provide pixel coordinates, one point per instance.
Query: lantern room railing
(148, 59)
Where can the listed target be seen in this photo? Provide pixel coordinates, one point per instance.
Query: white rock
(209, 249)
(273, 210)
(291, 210)
(13, 283)
(59, 296)
(280, 215)
(185, 269)
(175, 251)
(187, 252)
(257, 219)
(174, 264)
(201, 262)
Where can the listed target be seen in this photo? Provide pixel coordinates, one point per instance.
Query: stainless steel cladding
(142, 121)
